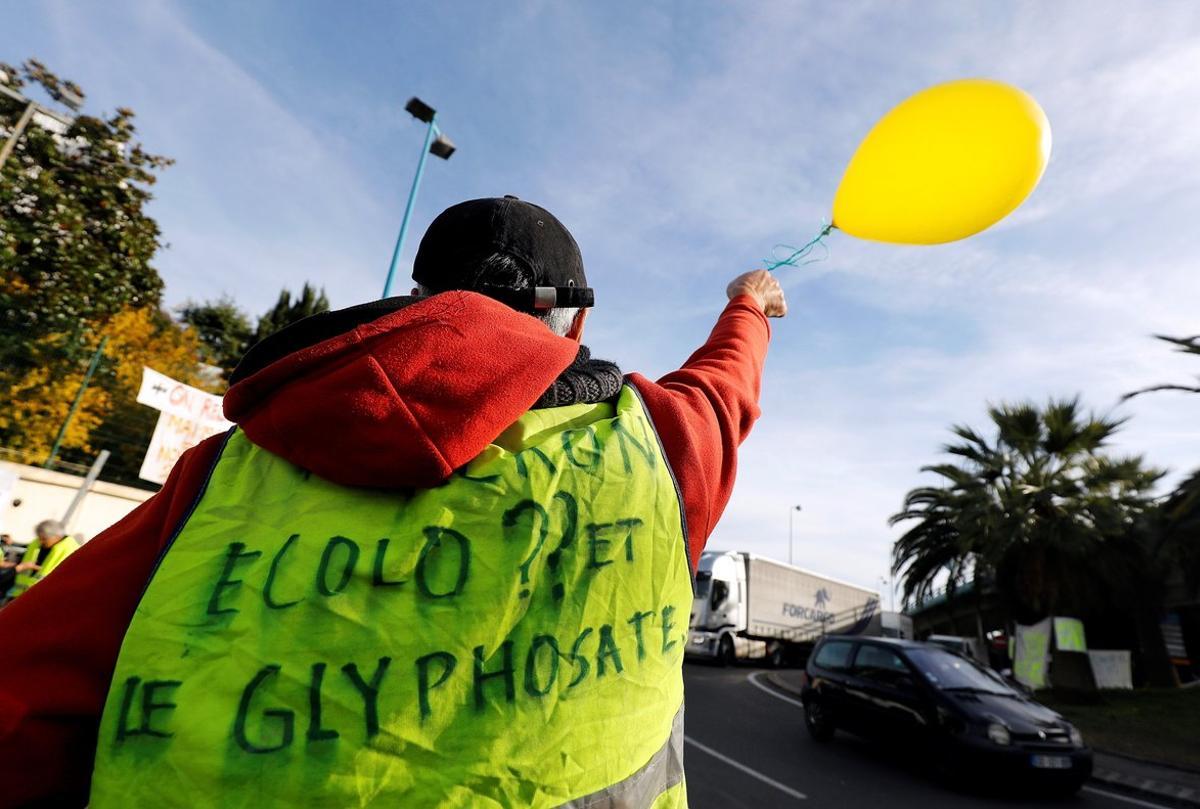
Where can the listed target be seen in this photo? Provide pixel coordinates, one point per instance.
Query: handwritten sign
(528, 583)
(1032, 652)
(189, 415)
(166, 394)
(1068, 635)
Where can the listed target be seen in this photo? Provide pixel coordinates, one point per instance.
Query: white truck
(751, 607)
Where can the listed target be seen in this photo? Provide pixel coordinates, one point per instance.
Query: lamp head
(442, 147)
(420, 110)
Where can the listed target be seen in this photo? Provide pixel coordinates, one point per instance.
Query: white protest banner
(163, 393)
(189, 415)
(1112, 668)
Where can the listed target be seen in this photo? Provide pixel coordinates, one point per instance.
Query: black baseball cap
(463, 236)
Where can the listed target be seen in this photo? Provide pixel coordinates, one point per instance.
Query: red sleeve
(59, 644)
(704, 411)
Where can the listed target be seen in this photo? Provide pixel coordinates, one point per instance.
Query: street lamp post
(435, 143)
(791, 524)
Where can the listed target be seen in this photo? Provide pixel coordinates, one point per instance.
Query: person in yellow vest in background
(444, 559)
(42, 555)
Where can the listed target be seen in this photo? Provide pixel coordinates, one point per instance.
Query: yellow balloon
(946, 163)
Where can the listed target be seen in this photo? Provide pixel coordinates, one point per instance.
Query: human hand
(764, 288)
(7, 565)
(25, 567)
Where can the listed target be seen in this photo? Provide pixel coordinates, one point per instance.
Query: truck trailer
(749, 607)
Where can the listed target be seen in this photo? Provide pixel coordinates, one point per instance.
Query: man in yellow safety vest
(42, 556)
(443, 559)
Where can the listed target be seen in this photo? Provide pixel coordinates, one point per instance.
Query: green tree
(1187, 345)
(75, 252)
(285, 312)
(75, 241)
(1181, 529)
(1031, 509)
(223, 328)
(1180, 526)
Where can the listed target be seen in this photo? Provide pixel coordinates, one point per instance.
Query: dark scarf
(585, 381)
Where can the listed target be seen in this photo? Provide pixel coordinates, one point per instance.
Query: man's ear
(576, 331)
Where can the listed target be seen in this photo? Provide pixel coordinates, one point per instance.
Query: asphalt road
(747, 747)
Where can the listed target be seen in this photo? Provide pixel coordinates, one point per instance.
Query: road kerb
(778, 680)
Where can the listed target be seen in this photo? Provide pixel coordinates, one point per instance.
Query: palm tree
(1181, 529)
(1180, 526)
(1029, 509)
(1186, 345)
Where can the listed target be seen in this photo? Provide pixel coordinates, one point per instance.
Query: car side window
(834, 656)
(881, 665)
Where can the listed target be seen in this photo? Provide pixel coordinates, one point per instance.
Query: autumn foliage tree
(108, 416)
(76, 247)
(75, 241)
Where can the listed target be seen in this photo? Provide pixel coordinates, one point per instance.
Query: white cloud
(680, 147)
(257, 198)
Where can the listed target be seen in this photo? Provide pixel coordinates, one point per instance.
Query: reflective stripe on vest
(58, 551)
(513, 637)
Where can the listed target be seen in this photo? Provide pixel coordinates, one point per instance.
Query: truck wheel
(776, 658)
(725, 652)
(817, 721)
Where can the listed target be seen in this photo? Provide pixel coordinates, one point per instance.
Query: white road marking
(753, 678)
(1118, 797)
(751, 772)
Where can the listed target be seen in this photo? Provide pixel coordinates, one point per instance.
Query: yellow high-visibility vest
(58, 551)
(512, 638)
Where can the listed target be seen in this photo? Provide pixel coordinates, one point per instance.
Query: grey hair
(50, 528)
(503, 270)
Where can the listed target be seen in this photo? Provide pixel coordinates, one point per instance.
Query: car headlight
(1076, 737)
(999, 734)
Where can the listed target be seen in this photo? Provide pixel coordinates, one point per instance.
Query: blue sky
(680, 141)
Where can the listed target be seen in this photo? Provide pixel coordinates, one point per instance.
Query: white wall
(46, 495)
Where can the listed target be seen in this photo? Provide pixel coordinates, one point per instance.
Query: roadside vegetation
(1152, 724)
(1038, 513)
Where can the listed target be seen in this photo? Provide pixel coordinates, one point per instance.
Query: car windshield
(950, 672)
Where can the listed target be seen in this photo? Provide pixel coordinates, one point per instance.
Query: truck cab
(715, 608)
(718, 616)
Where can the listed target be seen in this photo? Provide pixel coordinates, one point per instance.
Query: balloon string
(799, 255)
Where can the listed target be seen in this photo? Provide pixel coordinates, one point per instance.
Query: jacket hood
(400, 399)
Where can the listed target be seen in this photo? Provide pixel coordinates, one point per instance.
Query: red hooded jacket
(400, 401)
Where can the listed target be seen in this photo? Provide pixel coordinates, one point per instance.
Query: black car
(964, 715)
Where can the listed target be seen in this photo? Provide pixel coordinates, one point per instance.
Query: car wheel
(817, 721)
(726, 654)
